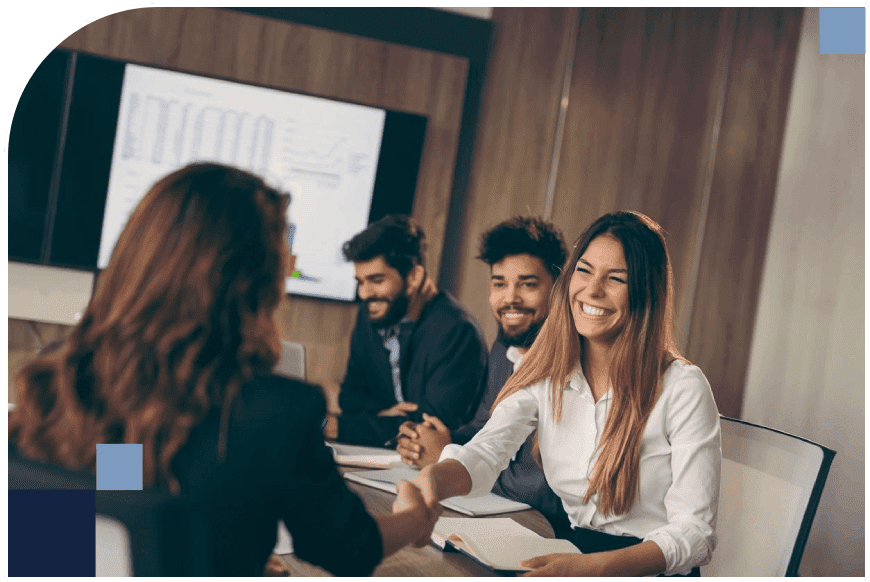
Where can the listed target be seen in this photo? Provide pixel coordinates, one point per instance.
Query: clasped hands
(421, 444)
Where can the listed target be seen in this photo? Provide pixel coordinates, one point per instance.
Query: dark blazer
(443, 369)
(278, 467)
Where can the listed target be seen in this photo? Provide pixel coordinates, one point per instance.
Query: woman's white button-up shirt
(680, 460)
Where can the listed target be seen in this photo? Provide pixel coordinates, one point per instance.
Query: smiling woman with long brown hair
(627, 429)
(174, 352)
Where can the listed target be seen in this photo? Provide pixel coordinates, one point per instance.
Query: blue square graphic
(119, 467)
(842, 31)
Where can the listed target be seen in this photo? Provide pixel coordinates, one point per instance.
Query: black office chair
(167, 535)
(770, 489)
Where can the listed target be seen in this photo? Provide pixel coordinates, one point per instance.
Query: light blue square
(842, 31)
(119, 467)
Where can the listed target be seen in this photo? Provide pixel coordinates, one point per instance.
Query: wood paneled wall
(641, 123)
(259, 50)
(741, 198)
(677, 113)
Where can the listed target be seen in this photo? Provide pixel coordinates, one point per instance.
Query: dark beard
(397, 310)
(522, 340)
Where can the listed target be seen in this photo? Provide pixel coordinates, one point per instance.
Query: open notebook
(386, 480)
(499, 543)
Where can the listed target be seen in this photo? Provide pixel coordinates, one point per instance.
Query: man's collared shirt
(394, 338)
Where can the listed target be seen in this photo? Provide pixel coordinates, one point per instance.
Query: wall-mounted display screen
(324, 152)
(124, 125)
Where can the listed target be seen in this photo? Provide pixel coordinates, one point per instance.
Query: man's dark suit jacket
(443, 368)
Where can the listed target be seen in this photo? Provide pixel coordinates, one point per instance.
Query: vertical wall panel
(807, 363)
(741, 200)
(514, 144)
(641, 124)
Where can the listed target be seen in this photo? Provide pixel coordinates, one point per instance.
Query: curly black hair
(525, 235)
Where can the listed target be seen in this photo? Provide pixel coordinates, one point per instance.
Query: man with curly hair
(525, 255)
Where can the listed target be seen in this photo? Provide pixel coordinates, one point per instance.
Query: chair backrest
(770, 488)
(113, 548)
(292, 361)
(148, 532)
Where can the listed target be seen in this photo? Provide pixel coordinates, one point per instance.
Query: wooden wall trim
(574, 16)
(687, 304)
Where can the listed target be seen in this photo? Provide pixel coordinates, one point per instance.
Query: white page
(474, 526)
(506, 552)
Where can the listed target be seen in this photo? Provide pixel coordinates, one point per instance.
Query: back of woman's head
(179, 321)
(202, 250)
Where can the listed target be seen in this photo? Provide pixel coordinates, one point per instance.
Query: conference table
(425, 561)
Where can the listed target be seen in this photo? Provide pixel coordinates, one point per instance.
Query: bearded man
(414, 350)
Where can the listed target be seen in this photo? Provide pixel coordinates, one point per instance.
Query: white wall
(806, 368)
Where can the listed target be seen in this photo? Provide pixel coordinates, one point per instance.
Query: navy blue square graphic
(52, 533)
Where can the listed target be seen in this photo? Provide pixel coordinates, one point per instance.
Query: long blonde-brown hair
(179, 321)
(641, 353)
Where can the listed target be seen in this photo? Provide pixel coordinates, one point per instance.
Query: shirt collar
(393, 330)
(514, 356)
(577, 381)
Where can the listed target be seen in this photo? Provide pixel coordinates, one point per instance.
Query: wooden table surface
(426, 561)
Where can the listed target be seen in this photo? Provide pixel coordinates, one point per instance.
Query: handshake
(417, 506)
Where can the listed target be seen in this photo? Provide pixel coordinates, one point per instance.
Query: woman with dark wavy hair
(627, 429)
(174, 352)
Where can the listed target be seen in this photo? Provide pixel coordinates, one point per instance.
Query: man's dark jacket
(443, 370)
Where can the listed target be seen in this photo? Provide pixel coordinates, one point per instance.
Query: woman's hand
(428, 486)
(564, 565)
(410, 500)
